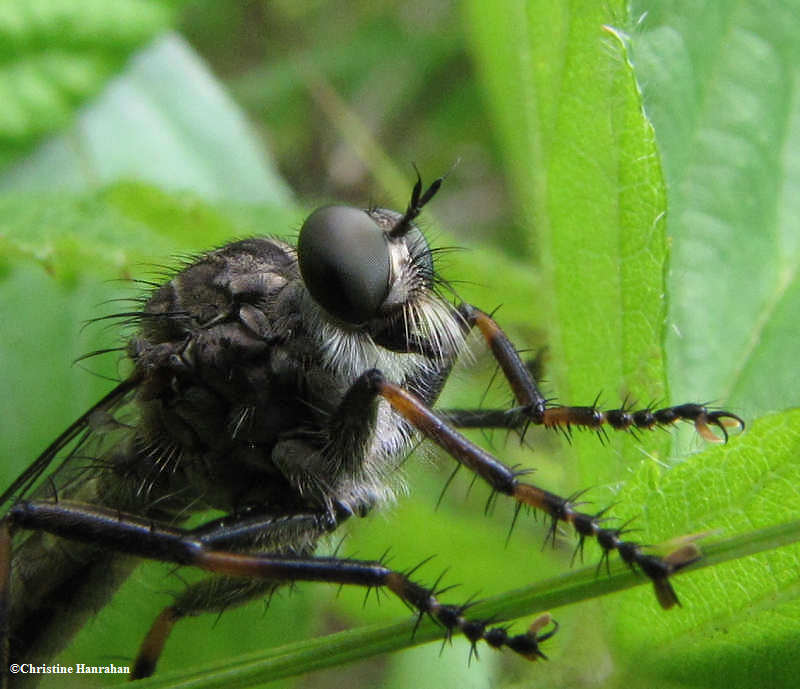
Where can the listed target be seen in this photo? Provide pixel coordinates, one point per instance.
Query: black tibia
(485, 418)
(245, 575)
(229, 532)
(503, 479)
(534, 407)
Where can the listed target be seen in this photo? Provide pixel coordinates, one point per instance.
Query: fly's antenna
(415, 205)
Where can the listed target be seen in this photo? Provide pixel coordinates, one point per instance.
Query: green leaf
(591, 181)
(584, 164)
(56, 53)
(753, 602)
(721, 85)
(165, 120)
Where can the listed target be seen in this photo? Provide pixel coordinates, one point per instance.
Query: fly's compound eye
(344, 260)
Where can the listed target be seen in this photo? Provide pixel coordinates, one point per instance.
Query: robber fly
(282, 386)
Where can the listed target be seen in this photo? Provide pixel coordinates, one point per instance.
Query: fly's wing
(56, 587)
(72, 440)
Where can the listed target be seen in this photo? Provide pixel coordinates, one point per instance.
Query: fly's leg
(219, 593)
(127, 533)
(213, 594)
(534, 409)
(254, 576)
(505, 480)
(267, 530)
(592, 417)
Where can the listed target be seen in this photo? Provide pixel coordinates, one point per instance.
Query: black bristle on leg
(566, 418)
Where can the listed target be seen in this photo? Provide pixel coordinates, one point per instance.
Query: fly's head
(372, 272)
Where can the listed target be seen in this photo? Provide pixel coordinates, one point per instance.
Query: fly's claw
(683, 551)
(527, 644)
(660, 569)
(721, 419)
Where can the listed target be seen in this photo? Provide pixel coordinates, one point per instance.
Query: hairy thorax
(241, 374)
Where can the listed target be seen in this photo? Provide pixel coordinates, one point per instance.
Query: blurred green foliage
(57, 53)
